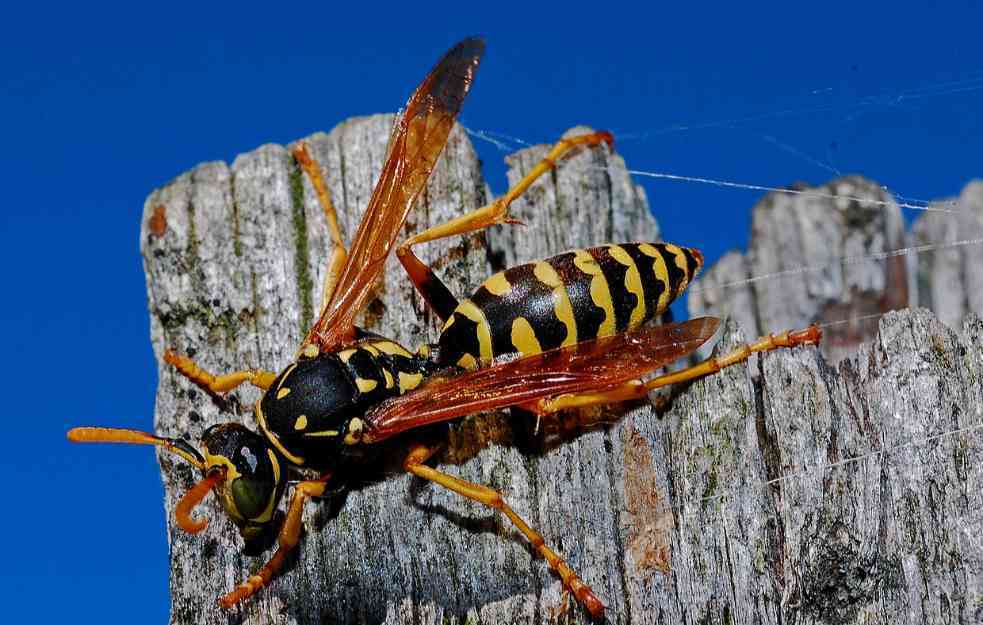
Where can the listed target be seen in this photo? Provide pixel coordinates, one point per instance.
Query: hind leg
(340, 254)
(490, 497)
(438, 297)
(636, 389)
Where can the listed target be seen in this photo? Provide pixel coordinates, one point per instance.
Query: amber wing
(417, 140)
(585, 367)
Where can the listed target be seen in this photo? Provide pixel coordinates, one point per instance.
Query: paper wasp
(566, 332)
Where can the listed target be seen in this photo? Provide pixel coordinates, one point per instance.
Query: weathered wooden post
(807, 494)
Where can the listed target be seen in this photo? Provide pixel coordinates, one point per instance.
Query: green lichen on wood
(236, 235)
(192, 235)
(302, 254)
(223, 326)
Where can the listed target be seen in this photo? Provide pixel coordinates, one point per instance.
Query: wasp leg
(218, 383)
(340, 253)
(482, 494)
(287, 540)
(438, 297)
(562, 609)
(636, 389)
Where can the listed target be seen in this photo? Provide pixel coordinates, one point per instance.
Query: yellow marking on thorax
(524, 337)
(392, 348)
(661, 274)
(409, 381)
(424, 350)
(468, 309)
(354, 434)
(286, 374)
(545, 273)
(283, 392)
(270, 436)
(389, 378)
(600, 293)
(633, 284)
(371, 348)
(365, 385)
(310, 350)
(498, 284)
(322, 433)
(346, 354)
(301, 422)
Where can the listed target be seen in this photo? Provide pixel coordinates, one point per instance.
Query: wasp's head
(237, 464)
(249, 482)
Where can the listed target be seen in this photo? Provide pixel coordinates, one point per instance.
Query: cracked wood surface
(804, 493)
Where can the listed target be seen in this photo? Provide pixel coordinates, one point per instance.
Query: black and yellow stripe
(382, 368)
(575, 296)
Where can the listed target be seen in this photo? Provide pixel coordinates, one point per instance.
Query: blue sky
(102, 104)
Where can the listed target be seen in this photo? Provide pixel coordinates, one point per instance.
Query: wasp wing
(585, 367)
(418, 137)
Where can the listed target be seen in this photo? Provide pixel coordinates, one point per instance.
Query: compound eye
(251, 497)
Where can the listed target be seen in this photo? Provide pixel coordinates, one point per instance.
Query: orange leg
(438, 297)
(340, 253)
(637, 389)
(562, 609)
(287, 540)
(218, 383)
(482, 494)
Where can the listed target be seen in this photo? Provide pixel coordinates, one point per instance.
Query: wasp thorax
(252, 484)
(310, 405)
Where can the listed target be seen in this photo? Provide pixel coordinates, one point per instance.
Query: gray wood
(949, 279)
(809, 253)
(804, 494)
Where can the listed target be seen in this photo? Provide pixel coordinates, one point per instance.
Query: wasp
(567, 332)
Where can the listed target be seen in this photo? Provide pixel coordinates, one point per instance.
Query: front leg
(287, 540)
(218, 383)
(637, 389)
(438, 297)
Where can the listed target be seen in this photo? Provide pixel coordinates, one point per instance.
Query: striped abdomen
(575, 296)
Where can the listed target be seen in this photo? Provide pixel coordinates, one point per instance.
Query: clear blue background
(102, 104)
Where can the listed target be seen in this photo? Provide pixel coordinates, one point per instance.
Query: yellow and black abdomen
(575, 296)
